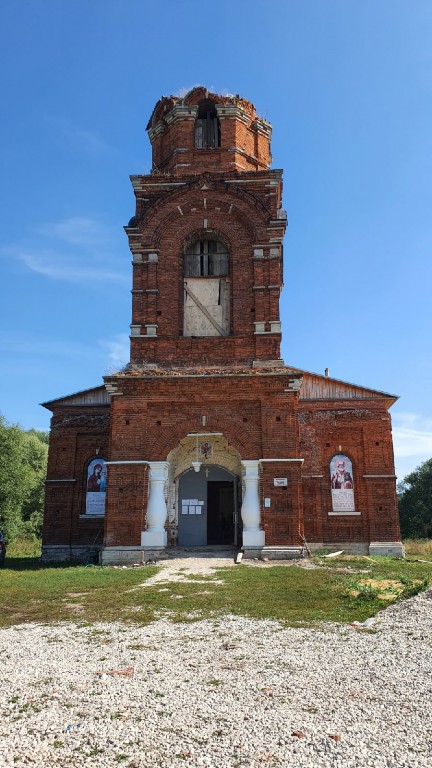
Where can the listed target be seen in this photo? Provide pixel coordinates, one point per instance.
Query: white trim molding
(274, 460)
(389, 477)
(132, 461)
(60, 480)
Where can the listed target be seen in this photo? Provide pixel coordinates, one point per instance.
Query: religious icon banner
(342, 484)
(205, 450)
(96, 487)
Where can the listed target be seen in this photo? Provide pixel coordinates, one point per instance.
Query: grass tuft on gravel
(343, 589)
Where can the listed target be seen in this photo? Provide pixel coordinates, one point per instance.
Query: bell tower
(206, 238)
(205, 414)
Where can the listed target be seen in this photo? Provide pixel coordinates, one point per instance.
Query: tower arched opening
(207, 126)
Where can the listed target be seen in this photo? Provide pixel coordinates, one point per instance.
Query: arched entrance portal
(208, 507)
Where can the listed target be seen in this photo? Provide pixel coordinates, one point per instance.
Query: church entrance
(220, 512)
(207, 508)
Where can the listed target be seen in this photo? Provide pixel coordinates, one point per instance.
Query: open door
(220, 512)
(208, 508)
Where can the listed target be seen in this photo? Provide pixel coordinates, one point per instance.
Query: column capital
(251, 467)
(158, 470)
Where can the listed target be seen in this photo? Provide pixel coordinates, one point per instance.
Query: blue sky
(347, 88)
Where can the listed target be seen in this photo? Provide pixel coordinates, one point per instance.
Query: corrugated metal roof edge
(47, 403)
(101, 387)
(347, 383)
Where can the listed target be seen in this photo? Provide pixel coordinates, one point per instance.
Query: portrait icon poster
(342, 484)
(96, 487)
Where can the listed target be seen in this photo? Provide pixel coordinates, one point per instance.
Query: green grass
(335, 591)
(25, 546)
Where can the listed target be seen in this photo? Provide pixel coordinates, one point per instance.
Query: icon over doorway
(205, 450)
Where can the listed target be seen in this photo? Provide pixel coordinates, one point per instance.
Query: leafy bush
(23, 460)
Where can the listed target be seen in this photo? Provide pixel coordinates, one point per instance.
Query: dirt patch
(77, 594)
(75, 607)
(385, 589)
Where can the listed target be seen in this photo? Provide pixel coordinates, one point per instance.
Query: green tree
(23, 457)
(42, 436)
(36, 455)
(415, 503)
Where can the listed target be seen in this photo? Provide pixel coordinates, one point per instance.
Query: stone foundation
(349, 547)
(389, 548)
(58, 553)
(130, 555)
(283, 553)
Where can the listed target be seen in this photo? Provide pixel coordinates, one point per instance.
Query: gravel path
(223, 693)
(183, 569)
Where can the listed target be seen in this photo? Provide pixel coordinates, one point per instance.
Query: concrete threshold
(201, 552)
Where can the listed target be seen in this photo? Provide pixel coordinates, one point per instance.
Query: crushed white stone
(224, 693)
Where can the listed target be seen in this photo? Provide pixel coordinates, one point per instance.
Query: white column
(156, 536)
(253, 536)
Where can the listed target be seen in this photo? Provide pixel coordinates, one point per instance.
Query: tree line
(415, 503)
(23, 463)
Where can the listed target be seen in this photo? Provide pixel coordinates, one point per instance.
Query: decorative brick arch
(180, 457)
(240, 205)
(246, 446)
(201, 234)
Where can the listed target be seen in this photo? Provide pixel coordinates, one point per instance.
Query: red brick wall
(126, 504)
(283, 520)
(362, 431)
(76, 435)
(244, 137)
(255, 413)
(242, 215)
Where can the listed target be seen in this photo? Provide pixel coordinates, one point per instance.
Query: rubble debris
(335, 554)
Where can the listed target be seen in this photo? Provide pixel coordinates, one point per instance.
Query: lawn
(341, 590)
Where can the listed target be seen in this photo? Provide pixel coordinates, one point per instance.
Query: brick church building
(206, 438)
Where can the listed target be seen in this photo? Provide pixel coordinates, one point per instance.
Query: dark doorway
(207, 508)
(220, 512)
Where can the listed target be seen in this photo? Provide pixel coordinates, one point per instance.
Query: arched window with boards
(206, 288)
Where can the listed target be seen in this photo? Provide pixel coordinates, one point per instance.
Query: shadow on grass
(36, 564)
